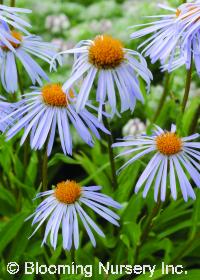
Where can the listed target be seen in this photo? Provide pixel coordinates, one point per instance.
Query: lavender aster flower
(40, 111)
(176, 37)
(24, 49)
(9, 15)
(174, 157)
(114, 67)
(64, 206)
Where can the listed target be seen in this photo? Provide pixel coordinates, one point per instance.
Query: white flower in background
(134, 127)
(102, 26)
(62, 44)
(57, 23)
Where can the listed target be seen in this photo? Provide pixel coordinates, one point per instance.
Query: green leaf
(157, 274)
(96, 172)
(192, 274)
(127, 186)
(60, 157)
(11, 228)
(18, 167)
(125, 240)
(7, 196)
(20, 242)
(195, 215)
(32, 170)
(177, 227)
(189, 114)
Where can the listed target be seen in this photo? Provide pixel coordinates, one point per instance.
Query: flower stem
(147, 228)
(73, 255)
(184, 249)
(12, 3)
(144, 235)
(163, 97)
(187, 88)
(44, 171)
(111, 154)
(194, 121)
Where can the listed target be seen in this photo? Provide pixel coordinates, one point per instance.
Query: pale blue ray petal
(58, 215)
(90, 221)
(66, 132)
(180, 174)
(164, 180)
(52, 135)
(103, 208)
(136, 157)
(75, 227)
(65, 228)
(158, 180)
(154, 162)
(172, 180)
(191, 137)
(192, 170)
(150, 180)
(89, 232)
(85, 89)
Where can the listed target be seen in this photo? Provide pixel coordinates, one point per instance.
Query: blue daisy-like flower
(114, 67)
(42, 110)
(10, 16)
(176, 37)
(27, 46)
(64, 207)
(174, 159)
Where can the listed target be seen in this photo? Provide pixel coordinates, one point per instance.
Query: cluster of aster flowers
(53, 108)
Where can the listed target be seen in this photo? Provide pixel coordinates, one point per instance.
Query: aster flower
(114, 67)
(9, 15)
(40, 111)
(174, 158)
(64, 206)
(175, 40)
(26, 47)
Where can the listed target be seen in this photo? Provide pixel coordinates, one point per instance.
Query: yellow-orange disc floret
(67, 191)
(178, 12)
(17, 36)
(168, 143)
(106, 52)
(53, 95)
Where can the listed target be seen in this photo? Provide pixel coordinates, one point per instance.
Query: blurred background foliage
(173, 235)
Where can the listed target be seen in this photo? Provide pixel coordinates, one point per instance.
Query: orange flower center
(67, 191)
(15, 35)
(168, 143)
(106, 52)
(54, 95)
(178, 12)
